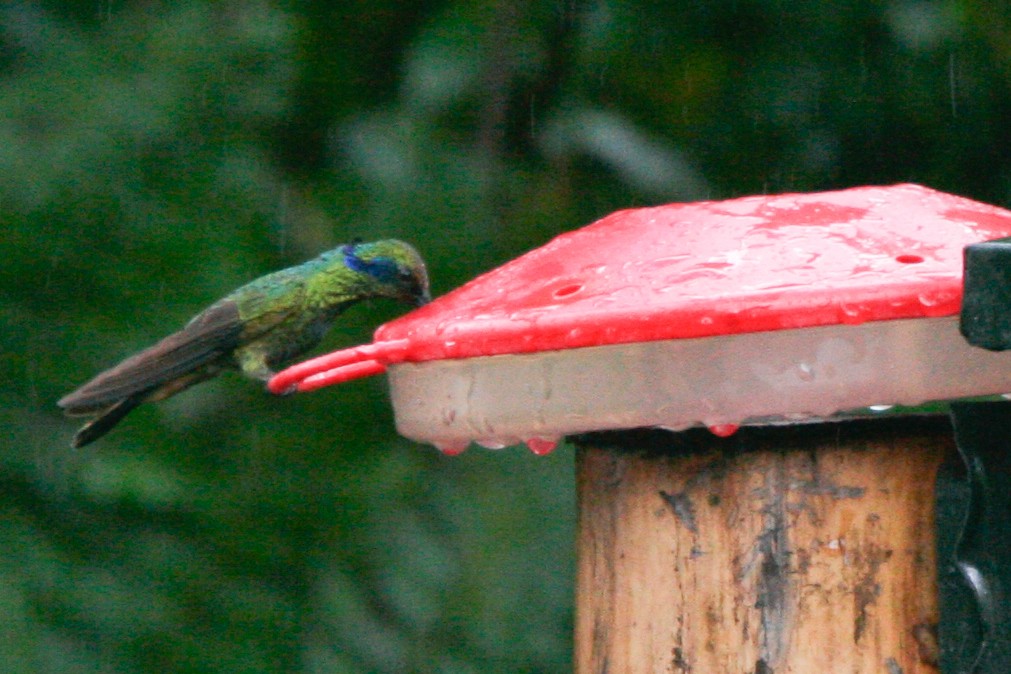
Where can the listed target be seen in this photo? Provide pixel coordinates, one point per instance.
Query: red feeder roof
(715, 268)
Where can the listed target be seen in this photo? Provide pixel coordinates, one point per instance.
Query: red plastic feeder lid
(684, 274)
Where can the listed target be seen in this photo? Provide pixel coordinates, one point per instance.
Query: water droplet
(575, 334)
(723, 430)
(880, 408)
(805, 372)
(452, 448)
(491, 443)
(851, 313)
(542, 446)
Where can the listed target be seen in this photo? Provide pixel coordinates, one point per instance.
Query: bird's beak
(422, 299)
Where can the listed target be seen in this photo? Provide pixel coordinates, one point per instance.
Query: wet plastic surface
(713, 312)
(715, 268)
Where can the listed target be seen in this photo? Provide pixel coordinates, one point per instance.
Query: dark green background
(154, 155)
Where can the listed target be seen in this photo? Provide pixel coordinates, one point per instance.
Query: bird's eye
(382, 269)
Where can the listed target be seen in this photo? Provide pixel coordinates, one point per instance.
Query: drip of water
(723, 430)
(542, 446)
(452, 448)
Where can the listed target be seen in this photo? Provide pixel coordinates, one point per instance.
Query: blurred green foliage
(155, 155)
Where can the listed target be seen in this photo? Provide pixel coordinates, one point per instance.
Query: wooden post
(803, 549)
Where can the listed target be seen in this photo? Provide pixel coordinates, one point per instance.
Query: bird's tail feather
(107, 419)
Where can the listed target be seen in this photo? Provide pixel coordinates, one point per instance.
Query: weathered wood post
(784, 525)
(782, 549)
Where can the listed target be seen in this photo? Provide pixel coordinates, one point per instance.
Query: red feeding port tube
(339, 366)
(721, 313)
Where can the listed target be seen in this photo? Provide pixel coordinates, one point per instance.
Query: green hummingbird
(255, 329)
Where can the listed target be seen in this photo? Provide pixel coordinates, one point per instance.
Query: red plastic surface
(702, 269)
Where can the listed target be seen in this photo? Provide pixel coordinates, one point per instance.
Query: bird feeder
(744, 505)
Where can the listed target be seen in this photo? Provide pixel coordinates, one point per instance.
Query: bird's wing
(209, 336)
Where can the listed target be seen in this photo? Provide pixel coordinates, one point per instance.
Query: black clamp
(986, 296)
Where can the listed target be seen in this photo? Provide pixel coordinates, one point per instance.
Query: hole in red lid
(909, 258)
(567, 290)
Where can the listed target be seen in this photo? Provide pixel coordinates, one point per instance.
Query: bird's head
(392, 269)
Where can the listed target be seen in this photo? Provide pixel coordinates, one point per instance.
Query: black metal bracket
(975, 575)
(975, 564)
(986, 298)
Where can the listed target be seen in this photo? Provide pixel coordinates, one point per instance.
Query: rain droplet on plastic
(452, 448)
(723, 430)
(542, 446)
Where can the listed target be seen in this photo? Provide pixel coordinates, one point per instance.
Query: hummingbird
(254, 329)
